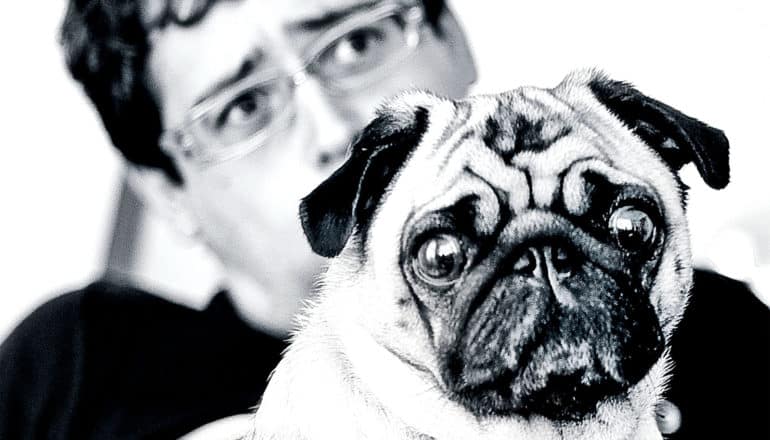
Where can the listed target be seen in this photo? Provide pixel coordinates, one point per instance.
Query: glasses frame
(182, 141)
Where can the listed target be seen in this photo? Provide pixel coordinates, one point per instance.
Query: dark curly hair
(105, 44)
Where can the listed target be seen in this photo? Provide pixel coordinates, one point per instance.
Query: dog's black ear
(349, 197)
(678, 138)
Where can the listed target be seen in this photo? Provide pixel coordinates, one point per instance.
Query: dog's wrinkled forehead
(529, 142)
(521, 124)
(526, 120)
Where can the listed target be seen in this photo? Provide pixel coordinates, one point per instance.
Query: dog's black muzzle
(561, 322)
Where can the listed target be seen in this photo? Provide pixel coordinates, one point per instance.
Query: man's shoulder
(115, 323)
(717, 299)
(57, 335)
(111, 357)
(68, 313)
(713, 281)
(42, 360)
(721, 353)
(724, 322)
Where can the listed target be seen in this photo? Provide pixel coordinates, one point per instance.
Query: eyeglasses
(354, 54)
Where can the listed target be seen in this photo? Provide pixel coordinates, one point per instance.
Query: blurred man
(228, 113)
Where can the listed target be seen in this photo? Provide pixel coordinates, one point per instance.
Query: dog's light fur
(361, 367)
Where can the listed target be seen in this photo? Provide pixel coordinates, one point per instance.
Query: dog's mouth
(561, 381)
(557, 395)
(563, 397)
(555, 336)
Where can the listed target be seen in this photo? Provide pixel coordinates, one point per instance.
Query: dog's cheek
(409, 329)
(671, 289)
(392, 313)
(673, 278)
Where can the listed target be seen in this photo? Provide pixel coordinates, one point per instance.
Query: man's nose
(331, 126)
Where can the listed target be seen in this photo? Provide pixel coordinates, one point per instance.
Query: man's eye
(355, 46)
(248, 108)
(361, 50)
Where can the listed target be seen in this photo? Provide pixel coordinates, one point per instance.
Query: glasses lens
(244, 115)
(364, 51)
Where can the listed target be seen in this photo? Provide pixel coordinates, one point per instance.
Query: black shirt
(113, 362)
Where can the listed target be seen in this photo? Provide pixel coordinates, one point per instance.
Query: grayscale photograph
(385, 219)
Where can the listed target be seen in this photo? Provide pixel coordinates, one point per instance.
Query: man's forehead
(304, 11)
(290, 12)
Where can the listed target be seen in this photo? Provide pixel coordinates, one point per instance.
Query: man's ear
(164, 197)
(678, 138)
(349, 197)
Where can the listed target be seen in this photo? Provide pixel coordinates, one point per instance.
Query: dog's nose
(548, 262)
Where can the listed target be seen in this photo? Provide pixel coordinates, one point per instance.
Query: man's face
(247, 207)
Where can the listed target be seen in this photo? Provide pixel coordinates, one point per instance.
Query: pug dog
(505, 267)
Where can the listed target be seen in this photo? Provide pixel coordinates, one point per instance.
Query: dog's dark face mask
(538, 308)
(550, 312)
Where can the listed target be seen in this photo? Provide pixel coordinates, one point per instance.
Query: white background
(710, 59)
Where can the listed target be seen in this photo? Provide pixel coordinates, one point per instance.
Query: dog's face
(527, 251)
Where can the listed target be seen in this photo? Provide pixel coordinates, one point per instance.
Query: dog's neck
(408, 394)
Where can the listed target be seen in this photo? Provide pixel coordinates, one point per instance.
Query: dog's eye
(632, 228)
(440, 260)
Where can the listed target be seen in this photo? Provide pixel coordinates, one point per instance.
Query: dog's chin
(555, 380)
(563, 398)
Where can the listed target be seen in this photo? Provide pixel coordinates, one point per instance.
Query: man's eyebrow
(329, 18)
(247, 66)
